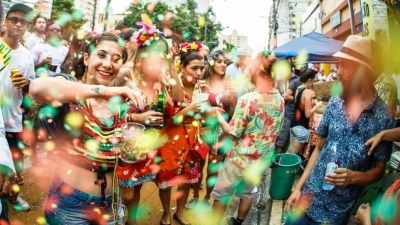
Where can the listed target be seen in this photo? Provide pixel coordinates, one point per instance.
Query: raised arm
(47, 90)
(309, 111)
(295, 196)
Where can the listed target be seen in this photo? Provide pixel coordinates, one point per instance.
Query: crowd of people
(200, 112)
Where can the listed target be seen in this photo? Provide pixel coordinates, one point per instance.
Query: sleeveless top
(300, 118)
(93, 149)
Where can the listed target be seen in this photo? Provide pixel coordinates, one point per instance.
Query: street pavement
(38, 179)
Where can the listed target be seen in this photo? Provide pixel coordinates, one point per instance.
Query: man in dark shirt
(294, 83)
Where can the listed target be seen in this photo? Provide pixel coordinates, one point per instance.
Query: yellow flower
(193, 46)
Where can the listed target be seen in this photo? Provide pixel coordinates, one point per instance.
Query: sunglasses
(16, 20)
(217, 55)
(55, 30)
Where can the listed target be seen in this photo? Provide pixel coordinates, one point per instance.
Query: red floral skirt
(176, 165)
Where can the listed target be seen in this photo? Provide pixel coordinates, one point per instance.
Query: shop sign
(335, 19)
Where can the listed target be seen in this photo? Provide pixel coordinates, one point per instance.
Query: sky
(248, 17)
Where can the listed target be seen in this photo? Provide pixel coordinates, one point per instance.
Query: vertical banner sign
(44, 7)
(368, 19)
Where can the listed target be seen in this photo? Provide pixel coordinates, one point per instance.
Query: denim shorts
(299, 134)
(67, 205)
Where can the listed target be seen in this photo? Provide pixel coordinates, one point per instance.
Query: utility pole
(205, 32)
(106, 16)
(94, 15)
(350, 5)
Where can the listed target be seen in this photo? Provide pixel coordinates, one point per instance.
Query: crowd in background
(209, 114)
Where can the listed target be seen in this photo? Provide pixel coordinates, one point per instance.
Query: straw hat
(357, 49)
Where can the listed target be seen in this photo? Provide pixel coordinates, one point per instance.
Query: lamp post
(106, 15)
(350, 5)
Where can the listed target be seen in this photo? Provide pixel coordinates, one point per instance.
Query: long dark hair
(188, 56)
(210, 69)
(73, 63)
(127, 34)
(306, 74)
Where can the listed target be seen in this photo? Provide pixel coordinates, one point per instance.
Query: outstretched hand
(374, 142)
(125, 92)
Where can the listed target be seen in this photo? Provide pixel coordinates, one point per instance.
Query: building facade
(311, 19)
(202, 5)
(286, 20)
(46, 9)
(239, 41)
(90, 10)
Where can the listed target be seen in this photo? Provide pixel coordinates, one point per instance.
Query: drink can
(50, 57)
(13, 72)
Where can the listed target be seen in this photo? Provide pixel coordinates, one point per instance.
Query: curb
(276, 212)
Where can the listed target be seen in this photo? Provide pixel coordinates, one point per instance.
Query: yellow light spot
(49, 145)
(195, 123)
(302, 57)
(201, 21)
(41, 220)
(74, 119)
(92, 145)
(172, 81)
(69, 172)
(54, 206)
(16, 188)
(106, 217)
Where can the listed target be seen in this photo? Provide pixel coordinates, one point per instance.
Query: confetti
(201, 21)
(92, 145)
(49, 145)
(337, 88)
(74, 120)
(16, 188)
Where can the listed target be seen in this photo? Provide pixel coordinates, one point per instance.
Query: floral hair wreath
(184, 48)
(148, 33)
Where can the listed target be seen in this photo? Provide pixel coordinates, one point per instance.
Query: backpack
(50, 120)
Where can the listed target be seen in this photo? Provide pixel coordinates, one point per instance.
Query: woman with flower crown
(148, 80)
(178, 167)
(222, 98)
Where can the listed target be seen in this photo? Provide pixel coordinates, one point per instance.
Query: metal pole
(94, 15)
(205, 33)
(350, 5)
(106, 16)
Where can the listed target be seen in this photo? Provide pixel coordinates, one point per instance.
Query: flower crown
(148, 33)
(184, 48)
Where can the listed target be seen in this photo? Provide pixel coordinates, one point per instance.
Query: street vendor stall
(319, 47)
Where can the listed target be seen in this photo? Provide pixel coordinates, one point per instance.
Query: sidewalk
(38, 179)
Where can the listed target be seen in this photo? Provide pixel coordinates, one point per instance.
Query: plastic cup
(202, 97)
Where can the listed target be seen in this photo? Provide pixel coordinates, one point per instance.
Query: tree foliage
(64, 14)
(186, 22)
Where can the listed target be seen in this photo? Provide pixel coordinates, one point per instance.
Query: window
(290, 7)
(101, 18)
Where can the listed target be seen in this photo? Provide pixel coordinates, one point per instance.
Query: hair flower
(194, 46)
(148, 33)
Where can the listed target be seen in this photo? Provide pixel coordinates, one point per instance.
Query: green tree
(185, 21)
(64, 14)
(212, 27)
(136, 10)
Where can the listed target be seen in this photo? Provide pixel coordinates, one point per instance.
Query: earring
(84, 75)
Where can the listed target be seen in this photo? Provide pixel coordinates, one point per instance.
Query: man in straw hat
(349, 120)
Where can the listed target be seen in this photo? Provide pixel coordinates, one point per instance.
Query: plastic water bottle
(331, 166)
